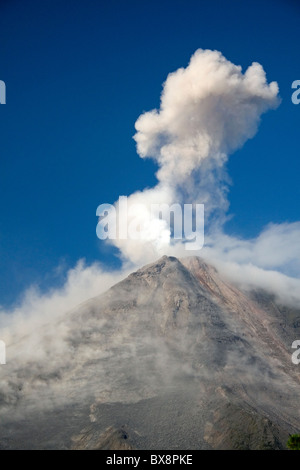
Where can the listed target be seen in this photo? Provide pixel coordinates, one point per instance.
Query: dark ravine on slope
(172, 357)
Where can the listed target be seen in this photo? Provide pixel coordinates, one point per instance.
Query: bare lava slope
(172, 357)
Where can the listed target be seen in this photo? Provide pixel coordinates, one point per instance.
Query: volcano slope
(172, 357)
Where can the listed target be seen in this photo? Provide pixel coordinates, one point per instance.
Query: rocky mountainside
(172, 357)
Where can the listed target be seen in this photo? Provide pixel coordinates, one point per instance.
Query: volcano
(172, 357)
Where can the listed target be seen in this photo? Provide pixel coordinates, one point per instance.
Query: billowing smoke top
(207, 110)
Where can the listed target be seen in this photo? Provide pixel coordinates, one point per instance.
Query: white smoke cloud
(271, 261)
(248, 276)
(207, 111)
(276, 247)
(36, 308)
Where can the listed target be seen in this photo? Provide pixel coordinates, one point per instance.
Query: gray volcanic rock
(172, 357)
(110, 439)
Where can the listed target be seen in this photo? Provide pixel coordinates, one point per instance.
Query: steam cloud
(207, 111)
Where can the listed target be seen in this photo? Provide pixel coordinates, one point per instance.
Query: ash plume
(208, 110)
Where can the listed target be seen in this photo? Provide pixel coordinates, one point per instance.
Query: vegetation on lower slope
(293, 442)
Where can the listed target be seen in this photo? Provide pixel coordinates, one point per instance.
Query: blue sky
(78, 75)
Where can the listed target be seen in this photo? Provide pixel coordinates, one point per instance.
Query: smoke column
(208, 110)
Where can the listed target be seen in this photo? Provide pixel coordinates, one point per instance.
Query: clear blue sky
(78, 75)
